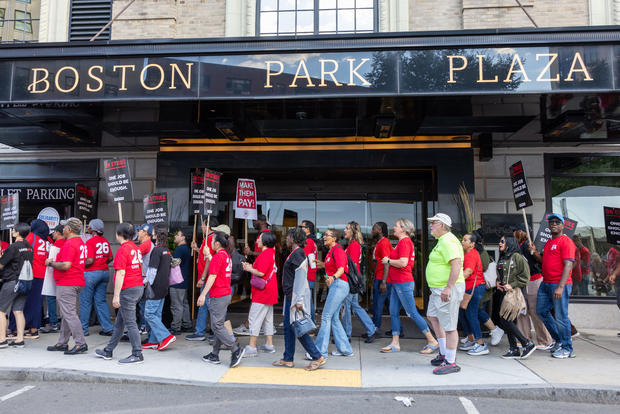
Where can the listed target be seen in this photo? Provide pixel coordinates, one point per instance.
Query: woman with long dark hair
(513, 272)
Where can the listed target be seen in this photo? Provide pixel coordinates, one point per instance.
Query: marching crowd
(528, 288)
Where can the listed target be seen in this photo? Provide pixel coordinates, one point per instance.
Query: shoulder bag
(513, 302)
(24, 281)
(176, 276)
(303, 325)
(490, 276)
(259, 282)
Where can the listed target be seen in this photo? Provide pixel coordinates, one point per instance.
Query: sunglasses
(502, 242)
(328, 235)
(555, 221)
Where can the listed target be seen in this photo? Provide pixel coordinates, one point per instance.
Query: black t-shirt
(160, 259)
(288, 271)
(13, 258)
(533, 263)
(237, 266)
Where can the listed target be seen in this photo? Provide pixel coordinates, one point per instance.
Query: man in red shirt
(558, 259)
(382, 249)
(128, 290)
(69, 277)
(59, 241)
(97, 276)
(582, 268)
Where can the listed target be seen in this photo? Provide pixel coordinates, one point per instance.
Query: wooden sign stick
(120, 212)
(527, 227)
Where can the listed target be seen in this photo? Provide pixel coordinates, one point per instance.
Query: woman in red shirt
(400, 276)
(261, 310)
(128, 291)
(336, 266)
(353, 233)
(311, 252)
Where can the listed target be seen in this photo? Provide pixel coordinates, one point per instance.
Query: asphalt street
(70, 397)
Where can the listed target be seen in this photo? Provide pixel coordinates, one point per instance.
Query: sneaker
(4, 344)
(105, 333)
(241, 330)
(212, 358)
(563, 354)
(512, 354)
(370, 339)
(31, 335)
(463, 340)
(166, 342)
(77, 349)
(186, 330)
(528, 350)
(468, 346)
(103, 353)
(149, 345)
(52, 328)
(496, 335)
(575, 335)
(438, 360)
(555, 347)
(479, 349)
(132, 359)
(195, 337)
(250, 352)
(14, 344)
(336, 352)
(268, 349)
(544, 347)
(143, 330)
(307, 357)
(446, 368)
(236, 356)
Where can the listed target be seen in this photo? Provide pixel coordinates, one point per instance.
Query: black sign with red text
(197, 193)
(519, 186)
(156, 209)
(85, 202)
(211, 190)
(9, 210)
(612, 224)
(118, 179)
(544, 234)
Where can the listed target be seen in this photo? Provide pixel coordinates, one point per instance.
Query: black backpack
(356, 282)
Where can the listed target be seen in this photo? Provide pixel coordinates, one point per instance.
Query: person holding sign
(220, 293)
(128, 291)
(558, 258)
(69, 277)
(11, 264)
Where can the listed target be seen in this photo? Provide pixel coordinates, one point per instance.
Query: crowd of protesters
(69, 269)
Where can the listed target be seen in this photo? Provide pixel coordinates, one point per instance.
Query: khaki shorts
(260, 315)
(446, 312)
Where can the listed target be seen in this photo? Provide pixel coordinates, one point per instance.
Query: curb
(576, 393)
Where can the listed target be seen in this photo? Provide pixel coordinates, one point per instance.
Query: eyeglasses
(555, 221)
(502, 242)
(303, 227)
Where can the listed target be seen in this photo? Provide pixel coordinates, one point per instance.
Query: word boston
(612, 224)
(544, 234)
(156, 209)
(85, 202)
(9, 210)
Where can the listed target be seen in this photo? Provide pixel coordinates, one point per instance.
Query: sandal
(316, 364)
(283, 363)
(429, 349)
(390, 349)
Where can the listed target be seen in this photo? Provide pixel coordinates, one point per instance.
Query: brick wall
(435, 15)
(151, 19)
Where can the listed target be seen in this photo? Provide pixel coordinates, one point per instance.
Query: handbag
(259, 282)
(467, 296)
(303, 325)
(24, 281)
(176, 276)
(513, 302)
(490, 276)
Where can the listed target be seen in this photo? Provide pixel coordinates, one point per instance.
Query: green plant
(464, 203)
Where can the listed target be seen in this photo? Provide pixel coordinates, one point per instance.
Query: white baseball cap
(444, 218)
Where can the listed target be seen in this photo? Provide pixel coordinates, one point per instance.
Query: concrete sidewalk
(596, 367)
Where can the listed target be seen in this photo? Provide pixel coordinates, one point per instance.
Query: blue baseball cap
(147, 228)
(557, 216)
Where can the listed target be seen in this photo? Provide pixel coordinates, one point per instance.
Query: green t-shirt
(447, 248)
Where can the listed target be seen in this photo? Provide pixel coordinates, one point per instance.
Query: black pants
(510, 327)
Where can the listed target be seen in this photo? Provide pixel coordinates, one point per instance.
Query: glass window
(294, 17)
(23, 21)
(580, 187)
(2, 12)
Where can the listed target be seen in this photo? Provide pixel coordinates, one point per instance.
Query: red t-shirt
(382, 249)
(404, 248)
(221, 267)
(60, 242)
(40, 249)
(99, 250)
(335, 259)
(129, 259)
(354, 250)
(472, 261)
(74, 251)
(311, 253)
(145, 247)
(3, 246)
(256, 248)
(266, 263)
(202, 260)
(555, 252)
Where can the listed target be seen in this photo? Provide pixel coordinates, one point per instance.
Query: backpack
(24, 281)
(490, 276)
(356, 281)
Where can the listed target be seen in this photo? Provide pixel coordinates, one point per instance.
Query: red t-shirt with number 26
(98, 250)
(129, 259)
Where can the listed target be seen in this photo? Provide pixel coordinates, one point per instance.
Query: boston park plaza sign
(397, 72)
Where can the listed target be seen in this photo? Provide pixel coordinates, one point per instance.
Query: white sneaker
(267, 348)
(467, 346)
(307, 357)
(496, 335)
(241, 330)
(336, 352)
(479, 349)
(250, 352)
(463, 340)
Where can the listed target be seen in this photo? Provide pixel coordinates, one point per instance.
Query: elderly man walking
(444, 275)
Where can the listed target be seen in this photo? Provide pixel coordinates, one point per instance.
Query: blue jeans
(338, 292)
(140, 317)
(201, 317)
(311, 284)
(51, 309)
(474, 315)
(289, 338)
(152, 313)
(402, 295)
(352, 302)
(558, 327)
(94, 289)
(378, 302)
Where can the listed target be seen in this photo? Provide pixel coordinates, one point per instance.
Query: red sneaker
(166, 342)
(148, 345)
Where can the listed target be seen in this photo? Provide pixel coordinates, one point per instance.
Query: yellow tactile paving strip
(293, 376)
